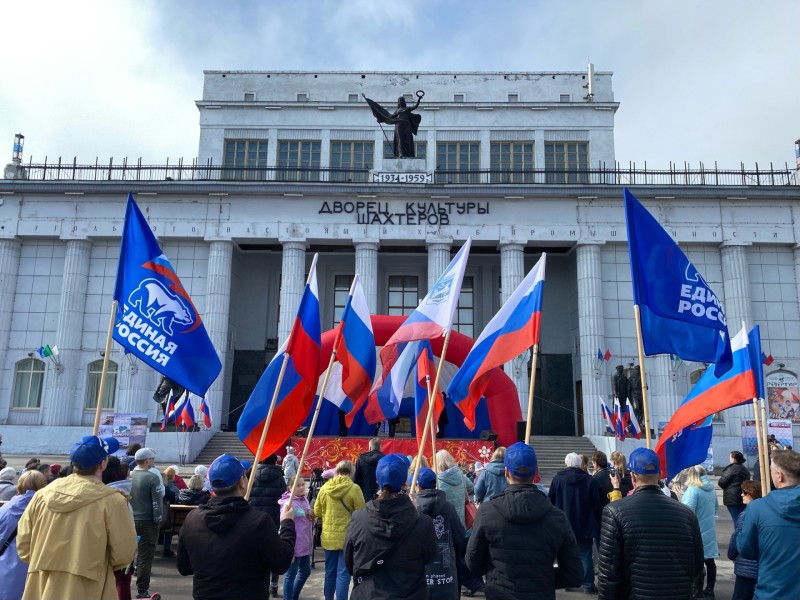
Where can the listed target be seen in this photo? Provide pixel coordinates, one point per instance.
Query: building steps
(551, 450)
(221, 443)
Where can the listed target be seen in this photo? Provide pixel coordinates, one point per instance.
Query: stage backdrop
(498, 410)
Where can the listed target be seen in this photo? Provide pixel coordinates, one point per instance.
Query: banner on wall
(126, 428)
(783, 396)
(780, 428)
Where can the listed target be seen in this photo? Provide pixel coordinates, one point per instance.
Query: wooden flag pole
(313, 422)
(433, 429)
(106, 357)
(263, 439)
(531, 383)
(759, 442)
(640, 345)
(430, 412)
(765, 473)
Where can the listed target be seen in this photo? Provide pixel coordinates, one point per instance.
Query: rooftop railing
(675, 175)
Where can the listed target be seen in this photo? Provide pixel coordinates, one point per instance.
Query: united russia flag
(511, 331)
(685, 440)
(296, 394)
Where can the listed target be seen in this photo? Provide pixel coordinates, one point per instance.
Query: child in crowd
(300, 568)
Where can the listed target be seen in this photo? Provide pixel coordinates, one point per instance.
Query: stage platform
(325, 452)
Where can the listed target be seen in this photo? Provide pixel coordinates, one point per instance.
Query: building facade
(293, 163)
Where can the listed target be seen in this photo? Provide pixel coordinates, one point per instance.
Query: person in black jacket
(650, 545)
(519, 534)
(731, 483)
(601, 475)
(388, 542)
(365, 469)
(268, 487)
(229, 547)
(575, 492)
(451, 542)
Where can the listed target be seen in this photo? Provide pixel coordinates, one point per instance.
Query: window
(299, 161)
(341, 289)
(512, 162)
(513, 97)
(249, 96)
(409, 98)
(352, 97)
(302, 97)
(566, 162)
(403, 294)
(420, 150)
(458, 97)
(564, 98)
(458, 162)
(94, 372)
(28, 380)
(464, 321)
(245, 160)
(351, 161)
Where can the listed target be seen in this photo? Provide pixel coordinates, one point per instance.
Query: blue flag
(156, 320)
(756, 363)
(680, 314)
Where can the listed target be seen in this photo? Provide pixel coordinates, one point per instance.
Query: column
(217, 318)
(662, 398)
(9, 269)
(438, 259)
(367, 269)
(512, 271)
(62, 404)
(293, 281)
(591, 332)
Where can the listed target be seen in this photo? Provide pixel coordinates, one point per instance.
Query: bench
(177, 515)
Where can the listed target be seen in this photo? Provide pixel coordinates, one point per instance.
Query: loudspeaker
(521, 427)
(488, 436)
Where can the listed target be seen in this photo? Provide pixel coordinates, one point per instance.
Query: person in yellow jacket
(77, 531)
(335, 503)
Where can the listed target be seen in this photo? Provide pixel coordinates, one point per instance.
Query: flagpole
(430, 411)
(531, 383)
(263, 439)
(106, 357)
(640, 346)
(765, 465)
(433, 430)
(759, 443)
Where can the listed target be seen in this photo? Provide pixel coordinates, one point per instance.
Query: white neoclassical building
(293, 163)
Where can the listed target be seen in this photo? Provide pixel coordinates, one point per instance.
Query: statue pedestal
(402, 170)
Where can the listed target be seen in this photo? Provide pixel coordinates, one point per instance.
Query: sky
(711, 81)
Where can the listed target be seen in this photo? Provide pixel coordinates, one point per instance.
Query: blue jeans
(734, 512)
(585, 550)
(296, 577)
(336, 575)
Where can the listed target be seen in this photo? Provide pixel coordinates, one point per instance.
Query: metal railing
(616, 174)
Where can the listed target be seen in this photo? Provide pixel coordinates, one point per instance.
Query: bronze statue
(405, 121)
(619, 385)
(635, 393)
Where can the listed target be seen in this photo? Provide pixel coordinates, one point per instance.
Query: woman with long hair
(618, 463)
(746, 570)
(702, 499)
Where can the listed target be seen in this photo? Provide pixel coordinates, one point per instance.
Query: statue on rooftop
(405, 121)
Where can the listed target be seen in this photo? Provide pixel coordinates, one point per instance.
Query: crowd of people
(608, 527)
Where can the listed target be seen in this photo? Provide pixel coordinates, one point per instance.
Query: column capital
(294, 243)
(376, 242)
(589, 242)
(436, 240)
(511, 245)
(734, 243)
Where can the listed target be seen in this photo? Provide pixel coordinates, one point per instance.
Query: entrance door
(553, 400)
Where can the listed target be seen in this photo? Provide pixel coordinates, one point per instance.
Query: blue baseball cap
(225, 471)
(90, 450)
(521, 460)
(426, 478)
(644, 461)
(392, 472)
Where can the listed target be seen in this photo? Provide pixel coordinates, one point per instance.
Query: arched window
(28, 382)
(94, 371)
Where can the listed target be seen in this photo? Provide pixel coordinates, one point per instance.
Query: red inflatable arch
(501, 393)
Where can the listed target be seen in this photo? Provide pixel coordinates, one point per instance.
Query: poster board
(783, 396)
(780, 428)
(126, 428)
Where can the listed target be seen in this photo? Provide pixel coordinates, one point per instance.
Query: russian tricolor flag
(384, 401)
(205, 408)
(514, 329)
(296, 394)
(610, 419)
(686, 437)
(426, 376)
(183, 413)
(621, 420)
(633, 422)
(169, 412)
(434, 315)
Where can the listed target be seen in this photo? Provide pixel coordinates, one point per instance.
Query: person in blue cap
(77, 531)
(388, 542)
(650, 545)
(230, 547)
(518, 535)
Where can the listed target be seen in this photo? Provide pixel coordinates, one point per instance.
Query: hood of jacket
(267, 474)
(17, 505)
(389, 519)
(522, 503)
(124, 486)
(496, 468)
(74, 492)
(452, 476)
(220, 514)
(431, 502)
(339, 486)
(786, 502)
(707, 485)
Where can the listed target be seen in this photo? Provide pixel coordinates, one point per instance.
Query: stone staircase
(551, 450)
(223, 442)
